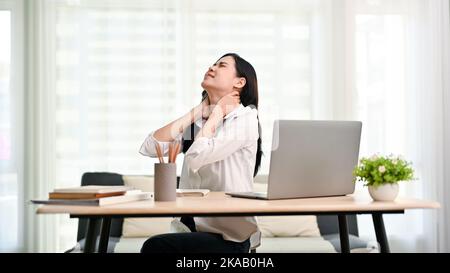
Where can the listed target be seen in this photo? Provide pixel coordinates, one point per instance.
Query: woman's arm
(224, 106)
(167, 134)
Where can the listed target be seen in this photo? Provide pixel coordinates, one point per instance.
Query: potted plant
(382, 174)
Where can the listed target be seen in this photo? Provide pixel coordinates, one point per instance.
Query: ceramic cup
(165, 181)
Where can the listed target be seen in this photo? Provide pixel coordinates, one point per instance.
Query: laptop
(311, 159)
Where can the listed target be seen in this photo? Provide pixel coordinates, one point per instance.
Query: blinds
(115, 82)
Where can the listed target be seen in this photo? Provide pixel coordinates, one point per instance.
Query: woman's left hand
(229, 102)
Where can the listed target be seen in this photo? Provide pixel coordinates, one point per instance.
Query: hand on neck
(213, 99)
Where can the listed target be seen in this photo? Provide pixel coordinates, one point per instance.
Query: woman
(222, 145)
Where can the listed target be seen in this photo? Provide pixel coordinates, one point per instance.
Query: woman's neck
(213, 99)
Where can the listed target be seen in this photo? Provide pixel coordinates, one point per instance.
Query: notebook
(192, 192)
(129, 197)
(93, 189)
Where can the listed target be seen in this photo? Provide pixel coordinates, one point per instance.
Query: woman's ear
(240, 82)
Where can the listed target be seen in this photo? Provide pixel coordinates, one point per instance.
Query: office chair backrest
(107, 179)
(328, 224)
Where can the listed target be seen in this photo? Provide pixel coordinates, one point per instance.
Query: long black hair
(248, 96)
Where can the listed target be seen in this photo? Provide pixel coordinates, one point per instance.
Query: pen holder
(165, 181)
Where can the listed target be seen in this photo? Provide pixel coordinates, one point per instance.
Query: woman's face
(221, 78)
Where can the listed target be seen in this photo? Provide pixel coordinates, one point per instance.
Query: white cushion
(129, 245)
(295, 245)
(286, 226)
(140, 182)
(143, 227)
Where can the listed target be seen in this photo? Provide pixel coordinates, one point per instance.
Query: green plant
(379, 170)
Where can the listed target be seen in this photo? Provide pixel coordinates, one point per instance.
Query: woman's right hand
(206, 108)
(173, 130)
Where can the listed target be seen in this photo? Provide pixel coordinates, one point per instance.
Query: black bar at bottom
(104, 235)
(380, 232)
(343, 233)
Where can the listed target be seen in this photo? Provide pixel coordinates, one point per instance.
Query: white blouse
(225, 162)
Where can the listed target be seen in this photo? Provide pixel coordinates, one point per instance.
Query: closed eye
(221, 64)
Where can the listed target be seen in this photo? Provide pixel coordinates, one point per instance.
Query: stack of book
(94, 196)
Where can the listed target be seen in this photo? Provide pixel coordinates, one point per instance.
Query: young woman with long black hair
(221, 140)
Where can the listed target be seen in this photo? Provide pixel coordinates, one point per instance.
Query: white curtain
(429, 74)
(401, 82)
(8, 177)
(105, 73)
(11, 126)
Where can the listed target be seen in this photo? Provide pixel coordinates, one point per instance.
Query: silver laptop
(311, 159)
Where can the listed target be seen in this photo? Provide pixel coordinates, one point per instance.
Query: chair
(106, 179)
(329, 229)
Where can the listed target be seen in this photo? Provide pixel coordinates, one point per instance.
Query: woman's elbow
(145, 150)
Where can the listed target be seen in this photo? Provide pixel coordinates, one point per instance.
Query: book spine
(57, 195)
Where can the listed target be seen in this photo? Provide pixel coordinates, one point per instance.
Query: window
(11, 126)
(8, 175)
(383, 104)
(380, 81)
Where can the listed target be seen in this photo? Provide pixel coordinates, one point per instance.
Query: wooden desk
(219, 204)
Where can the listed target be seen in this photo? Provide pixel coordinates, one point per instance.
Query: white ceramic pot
(387, 192)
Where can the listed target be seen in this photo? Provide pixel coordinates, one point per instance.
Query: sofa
(292, 234)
